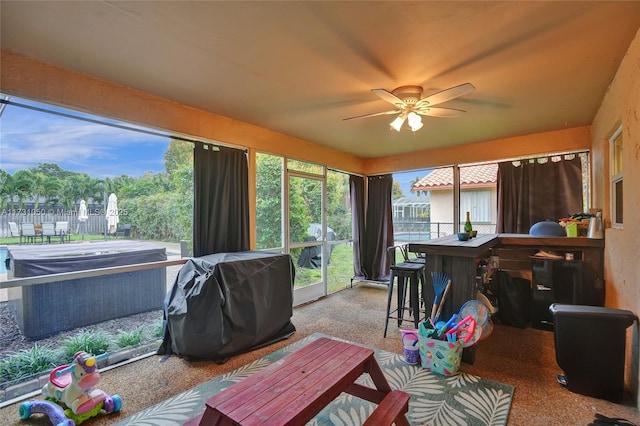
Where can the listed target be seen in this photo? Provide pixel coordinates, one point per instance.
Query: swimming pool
(411, 236)
(3, 256)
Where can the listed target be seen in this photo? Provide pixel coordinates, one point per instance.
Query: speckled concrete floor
(523, 358)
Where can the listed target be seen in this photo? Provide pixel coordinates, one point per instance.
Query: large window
(424, 202)
(478, 196)
(411, 208)
(53, 160)
(61, 173)
(480, 205)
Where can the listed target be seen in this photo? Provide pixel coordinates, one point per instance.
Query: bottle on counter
(467, 224)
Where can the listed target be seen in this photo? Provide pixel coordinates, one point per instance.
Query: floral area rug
(463, 399)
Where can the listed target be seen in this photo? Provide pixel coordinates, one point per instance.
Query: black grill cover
(225, 304)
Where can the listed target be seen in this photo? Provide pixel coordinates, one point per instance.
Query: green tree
(302, 196)
(52, 170)
(268, 201)
(90, 188)
(147, 184)
(397, 190)
(338, 208)
(51, 189)
(37, 187)
(178, 154)
(21, 183)
(5, 179)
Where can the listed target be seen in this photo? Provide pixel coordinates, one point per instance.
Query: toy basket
(440, 356)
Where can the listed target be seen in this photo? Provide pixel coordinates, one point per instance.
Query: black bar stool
(406, 272)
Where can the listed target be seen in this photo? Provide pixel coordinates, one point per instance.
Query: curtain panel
(378, 228)
(534, 191)
(221, 200)
(356, 187)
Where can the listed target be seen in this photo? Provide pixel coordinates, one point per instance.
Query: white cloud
(30, 137)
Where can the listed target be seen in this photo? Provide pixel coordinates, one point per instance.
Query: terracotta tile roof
(484, 175)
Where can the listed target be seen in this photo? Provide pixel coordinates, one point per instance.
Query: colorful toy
(70, 399)
(465, 330)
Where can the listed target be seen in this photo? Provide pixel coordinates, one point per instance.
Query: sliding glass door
(306, 234)
(304, 209)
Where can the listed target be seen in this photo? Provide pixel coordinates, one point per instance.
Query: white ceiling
(300, 68)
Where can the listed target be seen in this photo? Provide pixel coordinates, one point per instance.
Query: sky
(29, 137)
(406, 178)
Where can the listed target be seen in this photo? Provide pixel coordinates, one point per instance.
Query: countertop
(450, 245)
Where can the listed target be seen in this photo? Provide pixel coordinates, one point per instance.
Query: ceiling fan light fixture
(397, 123)
(415, 121)
(410, 106)
(416, 127)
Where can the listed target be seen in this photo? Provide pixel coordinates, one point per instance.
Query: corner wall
(621, 105)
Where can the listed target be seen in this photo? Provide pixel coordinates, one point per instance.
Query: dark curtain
(356, 187)
(532, 192)
(221, 200)
(378, 228)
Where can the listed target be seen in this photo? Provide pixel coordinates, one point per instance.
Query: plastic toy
(70, 397)
(465, 330)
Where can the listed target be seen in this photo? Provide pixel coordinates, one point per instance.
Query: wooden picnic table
(294, 389)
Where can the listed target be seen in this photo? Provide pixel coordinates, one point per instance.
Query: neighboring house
(478, 196)
(408, 208)
(411, 218)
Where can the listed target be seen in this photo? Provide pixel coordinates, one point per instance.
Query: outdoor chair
(13, 229)
(48, 231)
(62, 230)
(28, 232)
(125, 231)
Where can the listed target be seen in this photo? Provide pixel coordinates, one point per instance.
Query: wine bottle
(467, 224)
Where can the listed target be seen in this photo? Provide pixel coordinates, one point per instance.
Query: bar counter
(459, 259)
(450, 245)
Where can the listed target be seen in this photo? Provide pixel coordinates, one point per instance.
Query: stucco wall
(441, 211)
(621, 105)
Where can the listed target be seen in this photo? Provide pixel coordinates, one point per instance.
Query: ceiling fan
(410, 107)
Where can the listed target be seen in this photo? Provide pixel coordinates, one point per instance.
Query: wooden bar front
(458, 260)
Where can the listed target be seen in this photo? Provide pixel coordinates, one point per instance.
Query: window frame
(616, 178)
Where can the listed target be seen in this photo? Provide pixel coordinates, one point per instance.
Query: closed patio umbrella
(82, 215)
(112, 214)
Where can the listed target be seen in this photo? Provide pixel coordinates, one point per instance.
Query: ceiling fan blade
(385, 95)
(446, 95)
(395, 111)
(440, 112)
